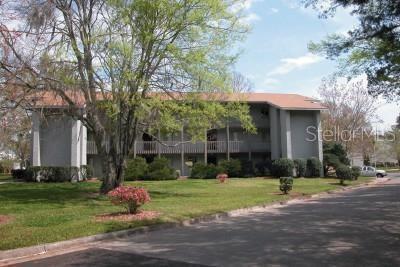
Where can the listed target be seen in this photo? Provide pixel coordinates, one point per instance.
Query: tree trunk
(113, 173)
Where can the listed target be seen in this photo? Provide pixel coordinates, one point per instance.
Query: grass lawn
(5, 177)
(42, 213)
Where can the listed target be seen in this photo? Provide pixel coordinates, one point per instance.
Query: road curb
(8, 255)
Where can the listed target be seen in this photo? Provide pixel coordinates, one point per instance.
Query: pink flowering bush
(130, 197)
(222, 177)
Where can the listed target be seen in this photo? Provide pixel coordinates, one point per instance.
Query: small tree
(356, 172)
(334, 155)
(344, 172)
(286, 184)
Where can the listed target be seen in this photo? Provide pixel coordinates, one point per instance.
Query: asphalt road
(354, 228)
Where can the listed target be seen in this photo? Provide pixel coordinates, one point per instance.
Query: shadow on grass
(29, 193)
(161, 194)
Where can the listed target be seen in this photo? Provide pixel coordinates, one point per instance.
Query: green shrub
(313, 167)
(263, 168)
(136, 169)
(282, 167)
(159, 169)
(356, 172)
(203, 171)
(52, 174)
(334, 155)
(213, 171)
(285, 184)
(18, 174)
(232, 167)
(247, 168)
(198, 171)
(300, 167)
(344, 172)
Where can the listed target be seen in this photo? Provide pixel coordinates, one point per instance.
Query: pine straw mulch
(5, 219)
(125, 217)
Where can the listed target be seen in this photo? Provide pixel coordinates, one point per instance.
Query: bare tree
(350, 113)
(241, 84)
(15, 128)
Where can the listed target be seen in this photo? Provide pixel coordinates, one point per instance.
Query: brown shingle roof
(282, 101)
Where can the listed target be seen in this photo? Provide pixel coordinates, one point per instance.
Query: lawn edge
(23, 252)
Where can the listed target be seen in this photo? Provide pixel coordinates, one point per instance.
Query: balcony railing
(173, 147)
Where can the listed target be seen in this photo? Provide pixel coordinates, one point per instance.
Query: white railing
(173, 147)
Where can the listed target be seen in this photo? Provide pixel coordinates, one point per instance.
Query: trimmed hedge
(159, 169)
(313, 167)
(53, 174)
(248, 168)
(300, 167)
(263, 168)
(203, 171)
(232, 167)
(136, 169)
(344, 172)
(282, 167)
(18, 174)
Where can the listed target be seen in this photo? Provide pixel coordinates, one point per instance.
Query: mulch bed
(125, 217)
(6, 219)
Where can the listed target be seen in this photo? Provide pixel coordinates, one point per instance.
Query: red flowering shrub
(222, 177)
(130, 197)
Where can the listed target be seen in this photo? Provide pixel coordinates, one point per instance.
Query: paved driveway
(356, 228)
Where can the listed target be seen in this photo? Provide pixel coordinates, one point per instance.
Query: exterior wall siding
(55, 141)
(301, 148)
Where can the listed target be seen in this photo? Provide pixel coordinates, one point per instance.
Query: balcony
(173, 147)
